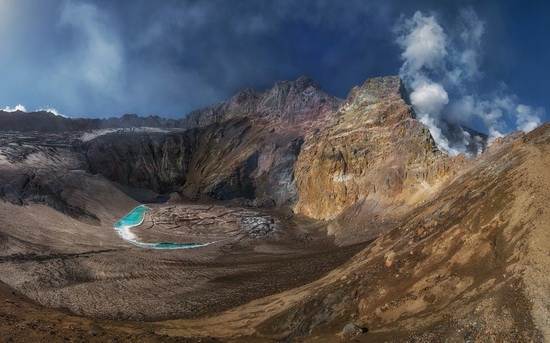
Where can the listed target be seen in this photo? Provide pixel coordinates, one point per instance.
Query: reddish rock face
(301, 103)
(373, 149)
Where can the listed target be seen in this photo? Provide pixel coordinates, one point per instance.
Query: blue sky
(107, 58)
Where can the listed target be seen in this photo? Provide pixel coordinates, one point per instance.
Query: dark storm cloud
(104, 58)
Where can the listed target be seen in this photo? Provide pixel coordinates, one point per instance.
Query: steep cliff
(153, 161)
(243, 148)
(229, 160)
(373, 153)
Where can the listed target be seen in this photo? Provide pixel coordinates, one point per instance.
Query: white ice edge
(127, 235)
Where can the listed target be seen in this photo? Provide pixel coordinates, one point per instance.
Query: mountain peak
(299, 85)
(304, 82)
(300, 102)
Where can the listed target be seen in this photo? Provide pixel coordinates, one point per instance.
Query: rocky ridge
(44, 121)
(372, 155)
(301, 103)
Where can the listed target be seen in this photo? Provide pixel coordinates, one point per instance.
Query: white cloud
(423, 41)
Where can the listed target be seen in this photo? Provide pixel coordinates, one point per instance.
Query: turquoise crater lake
(135, 218)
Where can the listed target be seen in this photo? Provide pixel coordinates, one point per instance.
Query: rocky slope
(371, 156)
(301, 103)
(469, 265)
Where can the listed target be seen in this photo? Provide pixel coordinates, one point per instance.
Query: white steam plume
(14, 109)
(528, 118)
(51, 110)
(23, 109)
(439, 67)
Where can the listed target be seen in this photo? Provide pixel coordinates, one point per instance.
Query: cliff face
(156, 162)
(242, 148)
(373, 150)
(229, 160)
(242, 159)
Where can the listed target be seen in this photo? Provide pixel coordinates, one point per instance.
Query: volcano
(288, 215)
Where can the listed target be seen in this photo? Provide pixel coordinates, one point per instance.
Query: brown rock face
(470, 264)
(373, 150)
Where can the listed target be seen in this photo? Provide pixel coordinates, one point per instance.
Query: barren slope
(472, 264)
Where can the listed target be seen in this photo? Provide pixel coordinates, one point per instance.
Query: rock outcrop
(372, 152)
(301, 103)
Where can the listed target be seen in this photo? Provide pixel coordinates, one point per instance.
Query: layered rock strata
(373, 149)
(243, 148)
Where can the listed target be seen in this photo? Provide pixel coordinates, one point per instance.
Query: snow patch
(93, 134)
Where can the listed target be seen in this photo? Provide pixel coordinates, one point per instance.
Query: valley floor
(88, 270)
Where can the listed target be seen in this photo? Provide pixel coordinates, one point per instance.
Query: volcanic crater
(306, 218)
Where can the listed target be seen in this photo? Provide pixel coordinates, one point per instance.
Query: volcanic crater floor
(98, 275)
